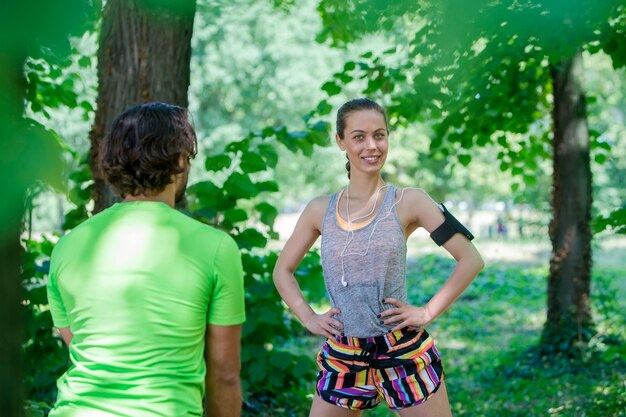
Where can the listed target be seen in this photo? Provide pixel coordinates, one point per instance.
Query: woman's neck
(362, 188)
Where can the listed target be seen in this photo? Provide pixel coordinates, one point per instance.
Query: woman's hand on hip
(324, 324)
(405, 315)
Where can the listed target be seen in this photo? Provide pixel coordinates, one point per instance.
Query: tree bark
(143, 56)
(14, 154)
(11, 368)
(569, 315)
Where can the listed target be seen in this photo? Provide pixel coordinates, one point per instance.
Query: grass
(488, 341)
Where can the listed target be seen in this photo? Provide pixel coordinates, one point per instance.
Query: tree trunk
(569, 314)
(12, 159)
(143, 56)
(11, 369)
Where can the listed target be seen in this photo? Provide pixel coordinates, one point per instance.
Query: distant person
(501, 228)
(149, 300)
(377, 348)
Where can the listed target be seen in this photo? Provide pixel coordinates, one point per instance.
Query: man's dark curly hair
(144, 149)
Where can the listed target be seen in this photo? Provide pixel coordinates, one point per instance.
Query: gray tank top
(371, 274)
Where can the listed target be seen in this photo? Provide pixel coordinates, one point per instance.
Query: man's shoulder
(77, 230)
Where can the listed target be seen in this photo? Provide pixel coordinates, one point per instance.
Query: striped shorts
(403, 367)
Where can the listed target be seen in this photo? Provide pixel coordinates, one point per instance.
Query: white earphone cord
(369, 239)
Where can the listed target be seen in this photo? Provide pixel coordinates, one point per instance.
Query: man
(146, 298)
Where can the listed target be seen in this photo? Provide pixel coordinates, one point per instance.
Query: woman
(377, 346)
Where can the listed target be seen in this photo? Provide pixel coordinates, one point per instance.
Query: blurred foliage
(46, 356)
(478, 73)
(615, 221)
(31, 152)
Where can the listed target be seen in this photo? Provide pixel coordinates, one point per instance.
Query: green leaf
(241, 145)
(217, 162)
(34, 413)
(210, 197)
(530, 179)
(482, 140)
(269, 154)
(84, 61)
(615, 221)
(464, 159)
(257, 372)
(306, 148)
(235, 215)
(319, 133)
(268, 131)
(75, 217)
(82, 174)
(324, 108)
(86, 105)
(600, 158)
(435, 143)
(331, 88)
(268, 213)
(277, 359)
(240, 186)
(250, 238)
(344, 78)
(271, 186)
(252, 162)
(37, 295)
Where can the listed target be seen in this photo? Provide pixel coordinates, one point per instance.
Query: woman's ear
(340, 142)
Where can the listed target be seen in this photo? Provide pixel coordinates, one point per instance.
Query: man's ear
(340, 142)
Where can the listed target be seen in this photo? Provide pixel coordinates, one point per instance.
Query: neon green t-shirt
(137, 285)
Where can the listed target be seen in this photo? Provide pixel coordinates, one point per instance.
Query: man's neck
(167, 196)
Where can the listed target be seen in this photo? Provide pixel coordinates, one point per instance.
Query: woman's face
(365, 140)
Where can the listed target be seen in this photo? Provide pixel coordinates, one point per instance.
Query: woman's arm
(306, 232)
(421, 210)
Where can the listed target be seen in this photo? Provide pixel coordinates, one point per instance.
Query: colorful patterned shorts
(403, 367)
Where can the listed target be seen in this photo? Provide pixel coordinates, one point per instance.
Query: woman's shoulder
(318, 205)
(412, 195)
(315, 211)
(415, 206)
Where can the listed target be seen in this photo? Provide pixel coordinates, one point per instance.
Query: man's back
(137, 285)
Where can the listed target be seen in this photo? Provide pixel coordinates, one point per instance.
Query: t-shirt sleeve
(227, 306)
(57, 308)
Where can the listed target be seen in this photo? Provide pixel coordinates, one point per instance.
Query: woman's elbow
(281, 274)
(478, 263)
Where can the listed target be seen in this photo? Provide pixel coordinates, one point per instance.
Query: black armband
(449, 228)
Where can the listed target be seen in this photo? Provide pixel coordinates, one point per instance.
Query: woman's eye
(359, 137)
